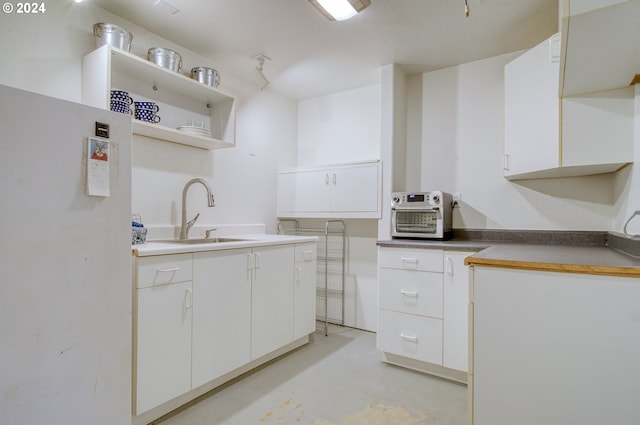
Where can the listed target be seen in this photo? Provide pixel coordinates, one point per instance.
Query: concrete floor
(334, 380)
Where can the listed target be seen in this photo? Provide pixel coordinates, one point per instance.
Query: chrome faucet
(186, 226)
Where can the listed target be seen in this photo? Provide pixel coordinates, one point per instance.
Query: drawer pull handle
(172, 269)
(410, 338)
(413, 294)
(409, 260)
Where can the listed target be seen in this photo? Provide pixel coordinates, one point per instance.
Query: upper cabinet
(547, 135)
(340, 191)
(182, 100)
(599, 45)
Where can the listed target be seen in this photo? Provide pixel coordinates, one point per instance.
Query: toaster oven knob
(396, 199)
(436, 198)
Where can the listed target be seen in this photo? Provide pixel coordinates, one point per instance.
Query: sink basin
(201, 241)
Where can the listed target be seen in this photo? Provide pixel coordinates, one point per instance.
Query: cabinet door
(304, 303)
(456, 307)
(221, 313)
(532, 108)
(312, 191)
(272, 299)
(355, 188)
(163, 344)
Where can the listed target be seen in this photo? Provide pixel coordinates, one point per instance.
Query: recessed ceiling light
(339, 10)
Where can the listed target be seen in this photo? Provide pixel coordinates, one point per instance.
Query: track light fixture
(261, 80)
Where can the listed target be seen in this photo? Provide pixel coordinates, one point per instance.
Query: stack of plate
(192, 129)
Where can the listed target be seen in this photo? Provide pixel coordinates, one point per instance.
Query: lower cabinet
(423, 304)
(203, 315)
(455, 311)
(221, 313)
(271, 299)
(554, 348)
(162, 330)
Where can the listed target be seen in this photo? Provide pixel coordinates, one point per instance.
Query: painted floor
(334, 380)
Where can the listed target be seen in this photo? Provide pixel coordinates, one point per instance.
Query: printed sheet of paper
(98, 167)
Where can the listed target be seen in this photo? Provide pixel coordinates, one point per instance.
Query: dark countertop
(569, 252)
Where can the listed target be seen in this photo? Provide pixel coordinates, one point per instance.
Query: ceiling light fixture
(339, 10)
(261, 80)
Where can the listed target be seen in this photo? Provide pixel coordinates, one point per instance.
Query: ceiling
(312, 56)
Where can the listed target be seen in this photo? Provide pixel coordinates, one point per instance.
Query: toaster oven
(421, 215)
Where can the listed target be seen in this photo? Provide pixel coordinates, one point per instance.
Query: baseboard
(424, 367)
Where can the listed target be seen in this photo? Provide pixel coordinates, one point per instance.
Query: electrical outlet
(456, 198)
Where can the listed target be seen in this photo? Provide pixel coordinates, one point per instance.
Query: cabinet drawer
(411, 259)
(306, 252)
(411, 292)
(407, 335)
(163, 269)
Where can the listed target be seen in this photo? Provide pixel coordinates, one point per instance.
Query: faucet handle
(207, 232)
(192, 222)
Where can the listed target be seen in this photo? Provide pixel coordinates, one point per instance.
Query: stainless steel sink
(201, 241)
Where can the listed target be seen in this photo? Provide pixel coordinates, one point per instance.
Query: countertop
(599, 260)
(247, 241)
(590, 258)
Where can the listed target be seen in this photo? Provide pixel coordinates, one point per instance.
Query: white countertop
(247, 241)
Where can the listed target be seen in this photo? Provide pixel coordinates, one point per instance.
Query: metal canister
(204, 75)
(112, 35)
(165, 58)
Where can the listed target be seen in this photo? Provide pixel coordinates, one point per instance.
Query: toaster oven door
(426, 223)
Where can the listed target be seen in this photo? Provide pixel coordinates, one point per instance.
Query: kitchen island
(553, 335)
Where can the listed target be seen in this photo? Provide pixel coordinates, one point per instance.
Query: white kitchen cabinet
(272, 293)
(204, 318)
(221, 313)
(423, 310)
(554, 348)
(599, 45)
(455, 311)
(304, 295)
(549, 136)
(341, 191)
(162, 330)
(180, 98)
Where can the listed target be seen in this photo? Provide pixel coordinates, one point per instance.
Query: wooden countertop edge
(554, 267)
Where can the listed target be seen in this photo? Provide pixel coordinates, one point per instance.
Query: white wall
(462, 147)
(340, 127)
(43, 53)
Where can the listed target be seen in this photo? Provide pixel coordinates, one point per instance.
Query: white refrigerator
(65, 275)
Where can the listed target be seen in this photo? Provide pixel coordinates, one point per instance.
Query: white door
(163, 344)
(532, 111)
(456, 311)
(272, 299)
(221, 313)
(312, 191)
(355, 188)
